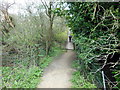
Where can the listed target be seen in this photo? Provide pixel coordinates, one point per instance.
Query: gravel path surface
(59, 72)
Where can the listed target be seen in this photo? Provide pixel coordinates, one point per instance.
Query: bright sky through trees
(19, 4)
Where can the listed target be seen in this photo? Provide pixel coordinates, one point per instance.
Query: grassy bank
(26, 77)
(78, 80)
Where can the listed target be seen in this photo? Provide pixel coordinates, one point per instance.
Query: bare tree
(6, 20)
(4, 9)
(51, 15)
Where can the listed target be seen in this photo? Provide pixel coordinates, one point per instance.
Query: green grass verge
(78, 80)
(22, 77)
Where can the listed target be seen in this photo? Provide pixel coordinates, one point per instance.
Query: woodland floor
(59, 72)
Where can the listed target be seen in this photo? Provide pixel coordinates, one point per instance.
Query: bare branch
(46, 7)
(105, 63)
(116, 63)
(113, 15)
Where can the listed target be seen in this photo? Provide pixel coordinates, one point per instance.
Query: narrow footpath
(59, 72)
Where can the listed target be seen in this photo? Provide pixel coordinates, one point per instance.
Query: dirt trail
(59, 72)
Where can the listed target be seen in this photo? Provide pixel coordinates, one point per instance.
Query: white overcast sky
(19, 4)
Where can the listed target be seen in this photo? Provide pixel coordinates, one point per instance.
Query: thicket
(29, 41)
(96, 35)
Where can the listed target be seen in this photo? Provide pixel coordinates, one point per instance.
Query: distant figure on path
(70, 38)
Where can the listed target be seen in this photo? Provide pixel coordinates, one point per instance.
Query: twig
(116, 63)
(46, 7)
(113, 15)
(105, 63)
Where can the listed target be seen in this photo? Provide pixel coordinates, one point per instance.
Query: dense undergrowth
(30, 39)
(78, 80)
(26, 77)
(96, 37)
